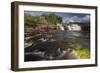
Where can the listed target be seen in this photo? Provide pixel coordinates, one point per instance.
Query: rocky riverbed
(55, 46)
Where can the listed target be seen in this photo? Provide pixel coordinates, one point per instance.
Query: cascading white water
(74, 27)
(71, 27)
(60, 27)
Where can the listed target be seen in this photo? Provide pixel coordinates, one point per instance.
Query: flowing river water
(50, 42)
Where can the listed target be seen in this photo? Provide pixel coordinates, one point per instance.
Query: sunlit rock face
(74, 27)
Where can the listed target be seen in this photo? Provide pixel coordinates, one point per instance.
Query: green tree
(52, 18)
(30, 20)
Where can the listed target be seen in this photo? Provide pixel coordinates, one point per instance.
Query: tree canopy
(51, 18)
(30, 20)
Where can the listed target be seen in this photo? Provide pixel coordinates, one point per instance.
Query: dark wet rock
(32, 58)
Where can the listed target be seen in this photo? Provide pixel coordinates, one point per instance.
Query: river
(52, 41)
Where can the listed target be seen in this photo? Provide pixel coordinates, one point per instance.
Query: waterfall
(71, 27)
(74, 27)
(60, 26)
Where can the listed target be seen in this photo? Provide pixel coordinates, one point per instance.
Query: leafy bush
(79, 51)
(82, 53)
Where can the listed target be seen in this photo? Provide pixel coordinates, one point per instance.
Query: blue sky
(71, 17)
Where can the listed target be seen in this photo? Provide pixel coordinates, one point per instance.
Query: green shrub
(83, 53)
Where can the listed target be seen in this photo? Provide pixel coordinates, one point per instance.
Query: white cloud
(76, 19)
(86, 18)
(67, 20)
(72, 19)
